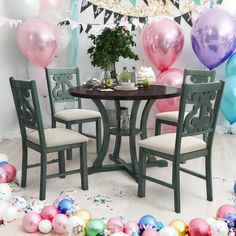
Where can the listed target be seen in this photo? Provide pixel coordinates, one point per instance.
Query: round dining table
(149, 96)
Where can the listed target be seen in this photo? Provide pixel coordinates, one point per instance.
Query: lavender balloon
(214, 37)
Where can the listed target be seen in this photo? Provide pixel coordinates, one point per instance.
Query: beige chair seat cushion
(76, 114)
(57, 137)
(165, 143)
(171, 116)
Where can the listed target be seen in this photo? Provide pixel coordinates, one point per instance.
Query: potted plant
(109, 46)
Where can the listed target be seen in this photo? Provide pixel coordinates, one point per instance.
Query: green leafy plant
(109, 46)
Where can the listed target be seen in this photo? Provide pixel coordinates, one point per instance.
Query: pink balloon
(37, 41)
(50, 4)
(163, 42)
(131, 228)
(3, 175)
(199, 227)
(59, 223)
(49, 212)
(31, 222)
(11, 172)
(115, 224)
(150, 232)
(171, 77)
(224, 210)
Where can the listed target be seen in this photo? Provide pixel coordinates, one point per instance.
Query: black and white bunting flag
(177, 19)
(143, 20)
(81, 29)
(176, 3)
(107, 15)
(89, 27)
(188, 18)
(97, 11)
(146, 2)
(84, 5)
(117, 17)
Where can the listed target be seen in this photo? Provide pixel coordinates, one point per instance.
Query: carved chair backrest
(26, 101)
(204, 99)
(198, 76)
(58, 83)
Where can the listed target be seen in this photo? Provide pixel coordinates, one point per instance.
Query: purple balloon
(214, 37)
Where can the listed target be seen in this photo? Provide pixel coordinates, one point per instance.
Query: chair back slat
(198, 76)
(27, 106)
(204, 101)
(58, 82)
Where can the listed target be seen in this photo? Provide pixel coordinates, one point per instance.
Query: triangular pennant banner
(188, 18)
(177, 19)
(81, 29)
(89, 27)
(97, 11)
(107, 15)
(133, 2)
(146, 2)
(143, 20)
(84, 5)
(131, 19)
(176, 3)
(117, 17)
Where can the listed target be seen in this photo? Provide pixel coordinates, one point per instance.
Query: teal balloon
(230, 68)
(95, 227)
(228, 102)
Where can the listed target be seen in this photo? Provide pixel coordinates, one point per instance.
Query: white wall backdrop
(12, 63)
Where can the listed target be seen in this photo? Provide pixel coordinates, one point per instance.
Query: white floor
(119, 191)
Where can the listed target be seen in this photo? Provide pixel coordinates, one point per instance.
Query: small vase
(104, 77)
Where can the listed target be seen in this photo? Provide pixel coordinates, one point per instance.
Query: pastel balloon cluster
(7, 170)
(57, 217)
(8, 212)
(39, 37)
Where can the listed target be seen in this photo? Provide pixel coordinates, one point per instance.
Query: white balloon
(63, 39)
(10, 214)
(210, 220)
(3, 206)
(51, 17)
(5, 192)
(45, 226)
(229, 6)
(3, 157)
(63, 33)
(219, 228)
(168, 231)
(22, 9)
(72, 222)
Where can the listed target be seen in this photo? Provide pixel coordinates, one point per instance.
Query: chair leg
(68, 151)
(61, 163)
(176, 184)
(208, 177)
(83, 166)
(43, 175)
(157, 127)
(98, 135)
(24, 165)
(142, 173)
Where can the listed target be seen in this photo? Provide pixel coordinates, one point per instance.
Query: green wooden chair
(191, 77)
(44, 140)
(182, 146)
(58, 83)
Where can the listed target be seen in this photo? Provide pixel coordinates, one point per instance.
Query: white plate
(122, 88)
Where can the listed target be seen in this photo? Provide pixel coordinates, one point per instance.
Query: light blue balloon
(228, 102)
(230, 68)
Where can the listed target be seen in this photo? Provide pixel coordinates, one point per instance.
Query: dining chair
(42, 140)
(186, 144)
(189, 76)
(58, 83)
